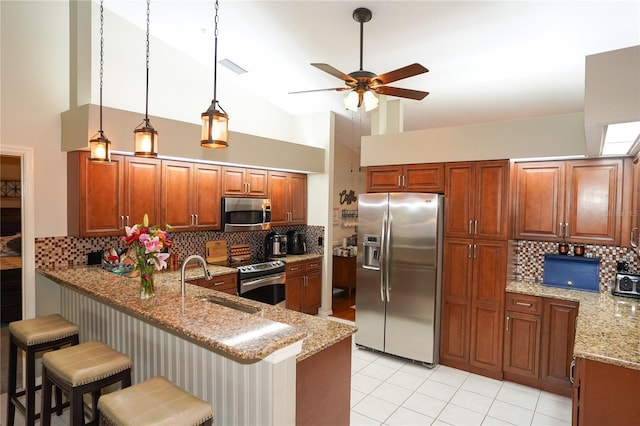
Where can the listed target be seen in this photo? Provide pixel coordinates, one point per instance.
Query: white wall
(559, 135)
(35, 89)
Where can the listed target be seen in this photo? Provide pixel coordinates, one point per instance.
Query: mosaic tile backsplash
(529, 260)
(57, 252)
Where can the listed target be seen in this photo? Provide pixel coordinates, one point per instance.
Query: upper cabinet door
(424, 177)
(459, 199)
(384, 178)
(491, 218)
(539, 207)
(142, 190)
(241, 182)
(177, 186)
(95, 200)
(205, 199)
(594, 201)
(298, 198)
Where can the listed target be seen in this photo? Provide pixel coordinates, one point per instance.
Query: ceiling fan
(363, 84)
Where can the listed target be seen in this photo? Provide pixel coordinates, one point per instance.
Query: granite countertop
(608, 327)
(292, 258)
(225, 330)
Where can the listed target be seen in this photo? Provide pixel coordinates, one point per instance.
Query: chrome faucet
(200, 259)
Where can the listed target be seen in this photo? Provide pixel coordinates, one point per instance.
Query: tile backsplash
(56, 252)
(529, 260)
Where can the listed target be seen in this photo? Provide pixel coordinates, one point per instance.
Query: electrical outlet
(320, 241)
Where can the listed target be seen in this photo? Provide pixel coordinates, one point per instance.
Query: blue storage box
(571, 272)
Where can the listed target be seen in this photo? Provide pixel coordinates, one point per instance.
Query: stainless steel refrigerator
(398, 275)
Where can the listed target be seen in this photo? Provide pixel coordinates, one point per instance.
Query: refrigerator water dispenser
(371, 257)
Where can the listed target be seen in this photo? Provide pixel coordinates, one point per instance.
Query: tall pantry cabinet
(475, 266)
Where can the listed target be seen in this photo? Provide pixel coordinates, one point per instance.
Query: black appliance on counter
(275, 245)
(627, 285)
(296, 242)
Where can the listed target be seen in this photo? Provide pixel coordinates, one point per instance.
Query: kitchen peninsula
(250, 360)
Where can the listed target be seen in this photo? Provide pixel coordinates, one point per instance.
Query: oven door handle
(250, 284)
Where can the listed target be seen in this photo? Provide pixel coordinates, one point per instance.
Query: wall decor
(348, 197)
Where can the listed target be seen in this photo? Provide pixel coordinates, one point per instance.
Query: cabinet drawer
(313, 265)
(225, 283)
(524, 303)
(294, 268)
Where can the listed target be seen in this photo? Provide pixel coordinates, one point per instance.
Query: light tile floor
(388, 391)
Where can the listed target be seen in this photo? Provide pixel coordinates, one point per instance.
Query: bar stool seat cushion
(85, 363)
(44, 329)
(156, 401)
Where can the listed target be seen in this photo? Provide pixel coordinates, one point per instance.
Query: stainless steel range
(627, 285)
(263, 282)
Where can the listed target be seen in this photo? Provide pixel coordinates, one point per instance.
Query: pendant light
(215, 123)
(99, 144)
(145, 137)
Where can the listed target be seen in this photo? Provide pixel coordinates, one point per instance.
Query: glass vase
(147, 291)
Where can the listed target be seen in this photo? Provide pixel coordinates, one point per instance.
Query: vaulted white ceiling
(488, 60)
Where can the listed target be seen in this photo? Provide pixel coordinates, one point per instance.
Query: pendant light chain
(101, 59)
(215, 51)
(146, 110)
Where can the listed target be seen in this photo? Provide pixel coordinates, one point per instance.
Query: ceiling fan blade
(401, 93)
(334, 72)
(400, 73)
(333, 89)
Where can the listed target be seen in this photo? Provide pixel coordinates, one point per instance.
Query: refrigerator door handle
(382, 255)
(387, 257)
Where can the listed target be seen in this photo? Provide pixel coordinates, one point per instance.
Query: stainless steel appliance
(398, 274)
(246, 214)
(296, 242)
(263, 282)
(627, 285)
(275, 245)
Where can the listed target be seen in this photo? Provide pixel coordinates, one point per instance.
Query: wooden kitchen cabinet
(243, 182)
(558, 336)
(603, 394)
(523, 327)
(408, 178)
(190, 196)
(288, 194)
(578, 201)
(476, 200)
(473, 285)
(104, 197)
(344, 272)
(303, 286)
(227, 283)
(538, 343)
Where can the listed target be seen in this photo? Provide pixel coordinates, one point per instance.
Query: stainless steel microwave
(246, 214)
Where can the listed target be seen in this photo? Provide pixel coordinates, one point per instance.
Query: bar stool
(33, 336)
(156, 401)
(77, 370)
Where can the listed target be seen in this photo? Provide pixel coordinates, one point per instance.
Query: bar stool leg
(13, 372)
(30, 405)
(45, 411)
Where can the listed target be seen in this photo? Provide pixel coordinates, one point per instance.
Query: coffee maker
(275, 245)
(296, 242)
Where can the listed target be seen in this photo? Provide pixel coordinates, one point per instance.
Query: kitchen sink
(233, 305)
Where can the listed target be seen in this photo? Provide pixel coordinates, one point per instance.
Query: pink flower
(151, 245)
(161, 261)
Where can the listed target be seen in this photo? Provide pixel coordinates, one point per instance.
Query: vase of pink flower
(148, 244)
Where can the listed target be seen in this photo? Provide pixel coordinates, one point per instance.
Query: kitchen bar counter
(608, 327)
(236, 334)
(292, 258)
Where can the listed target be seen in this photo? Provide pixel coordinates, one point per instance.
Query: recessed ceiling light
(227, 63)
(620, 138)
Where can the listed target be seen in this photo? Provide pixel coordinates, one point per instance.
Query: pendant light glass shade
(215, 122)
(352, 101)
(355, 99)
(215, 128)
(370, 101)
(145, 137)
(100, 147)
(145, 141)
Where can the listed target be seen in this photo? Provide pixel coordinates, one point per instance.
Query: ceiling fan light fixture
(370, 101)
(352, 101)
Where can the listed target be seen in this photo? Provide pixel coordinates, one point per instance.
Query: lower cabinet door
(522, 345)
